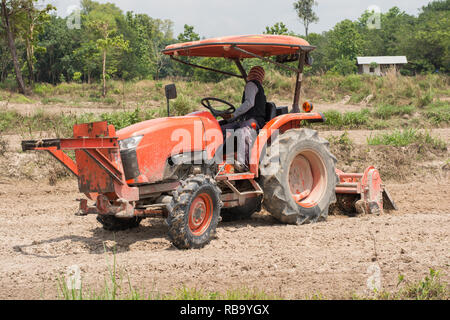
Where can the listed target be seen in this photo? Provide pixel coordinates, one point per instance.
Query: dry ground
(40, 238)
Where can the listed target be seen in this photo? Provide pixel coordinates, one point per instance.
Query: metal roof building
(379, 65)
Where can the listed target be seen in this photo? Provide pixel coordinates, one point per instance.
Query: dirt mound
(396, 164)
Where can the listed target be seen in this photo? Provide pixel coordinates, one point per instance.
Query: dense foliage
(113, 44)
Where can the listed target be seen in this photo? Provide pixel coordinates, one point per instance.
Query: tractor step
(236, 176)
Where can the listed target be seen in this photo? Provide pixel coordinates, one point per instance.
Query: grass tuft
(407, 137)
(386, 112)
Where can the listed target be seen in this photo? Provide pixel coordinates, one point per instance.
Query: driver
(248, 118)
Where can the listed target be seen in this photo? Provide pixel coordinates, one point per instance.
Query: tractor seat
(272, 111)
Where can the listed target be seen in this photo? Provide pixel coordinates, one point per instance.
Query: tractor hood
(158, 140)
(164, 127)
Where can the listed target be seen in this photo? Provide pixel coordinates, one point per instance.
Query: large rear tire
(194, 212)
(298, 177)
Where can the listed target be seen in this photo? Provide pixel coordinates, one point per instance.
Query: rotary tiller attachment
(363, 193)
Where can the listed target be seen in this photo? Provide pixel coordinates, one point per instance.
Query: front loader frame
(98, 165)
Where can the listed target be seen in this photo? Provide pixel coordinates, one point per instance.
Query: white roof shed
(382, 60)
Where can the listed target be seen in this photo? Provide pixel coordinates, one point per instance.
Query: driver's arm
(250, 94)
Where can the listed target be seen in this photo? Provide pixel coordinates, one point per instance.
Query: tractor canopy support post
(298, 84)
(241, 68)
(206, 68)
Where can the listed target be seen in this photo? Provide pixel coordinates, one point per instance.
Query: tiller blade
(363, 193)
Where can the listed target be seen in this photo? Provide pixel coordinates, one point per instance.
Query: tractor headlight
(130, 143)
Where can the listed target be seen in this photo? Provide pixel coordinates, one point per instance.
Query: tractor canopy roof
(240, 47)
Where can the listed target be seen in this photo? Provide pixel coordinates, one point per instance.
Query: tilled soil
(41, 238)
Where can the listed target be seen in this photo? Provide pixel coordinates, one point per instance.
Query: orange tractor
(176, 167)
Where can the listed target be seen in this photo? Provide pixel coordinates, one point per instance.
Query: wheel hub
(200, 214)
(307, 179)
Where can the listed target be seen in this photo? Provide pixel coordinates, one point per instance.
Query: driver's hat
(256, 73)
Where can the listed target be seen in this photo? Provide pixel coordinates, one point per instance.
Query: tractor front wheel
(194, 212)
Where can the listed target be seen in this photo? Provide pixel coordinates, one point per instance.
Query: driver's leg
(229, 132)
(246, 135)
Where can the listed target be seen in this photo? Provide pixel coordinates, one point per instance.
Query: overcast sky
(214, 18)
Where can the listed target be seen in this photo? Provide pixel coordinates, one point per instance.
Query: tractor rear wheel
(298, 177)
(194, 212)
(112, 223)
(243, 212)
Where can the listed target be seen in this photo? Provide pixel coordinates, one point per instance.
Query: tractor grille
(130, 163)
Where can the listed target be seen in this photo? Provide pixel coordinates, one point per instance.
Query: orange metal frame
(281, 123)
(98, 164)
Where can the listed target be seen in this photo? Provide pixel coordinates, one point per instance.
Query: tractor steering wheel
(206, 102)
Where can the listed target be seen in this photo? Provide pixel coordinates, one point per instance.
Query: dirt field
(41, 238)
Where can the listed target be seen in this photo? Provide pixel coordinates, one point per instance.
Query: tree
(30, 23)
(104, 26)
(87, 57)
(58, 58)
(188, 34)
(305, 12)
(345, 41)
(278, 28)
(8, 10)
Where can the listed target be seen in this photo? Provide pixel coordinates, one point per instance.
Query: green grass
(431, 287)
(438, 112)
(386, 112)
(20, 98)
(347, 120)
(419, 91)
(343, 141)
(403, 138)
(61, 124)
(395, 100)
(182, 105)
(52, 100)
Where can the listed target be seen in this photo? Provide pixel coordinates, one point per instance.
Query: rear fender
(278, 125)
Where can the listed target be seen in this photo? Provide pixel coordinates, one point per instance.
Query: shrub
(424, 100)
(43, 89)
(429, 288)
(387, 111)
(122, 119)
(343, 141)
(182, 106)
(20, 98)
(353, 119)
(344, 66)
(77, 77)
(407, 137)
(356, 119)
(9, 119)
(438, 112)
